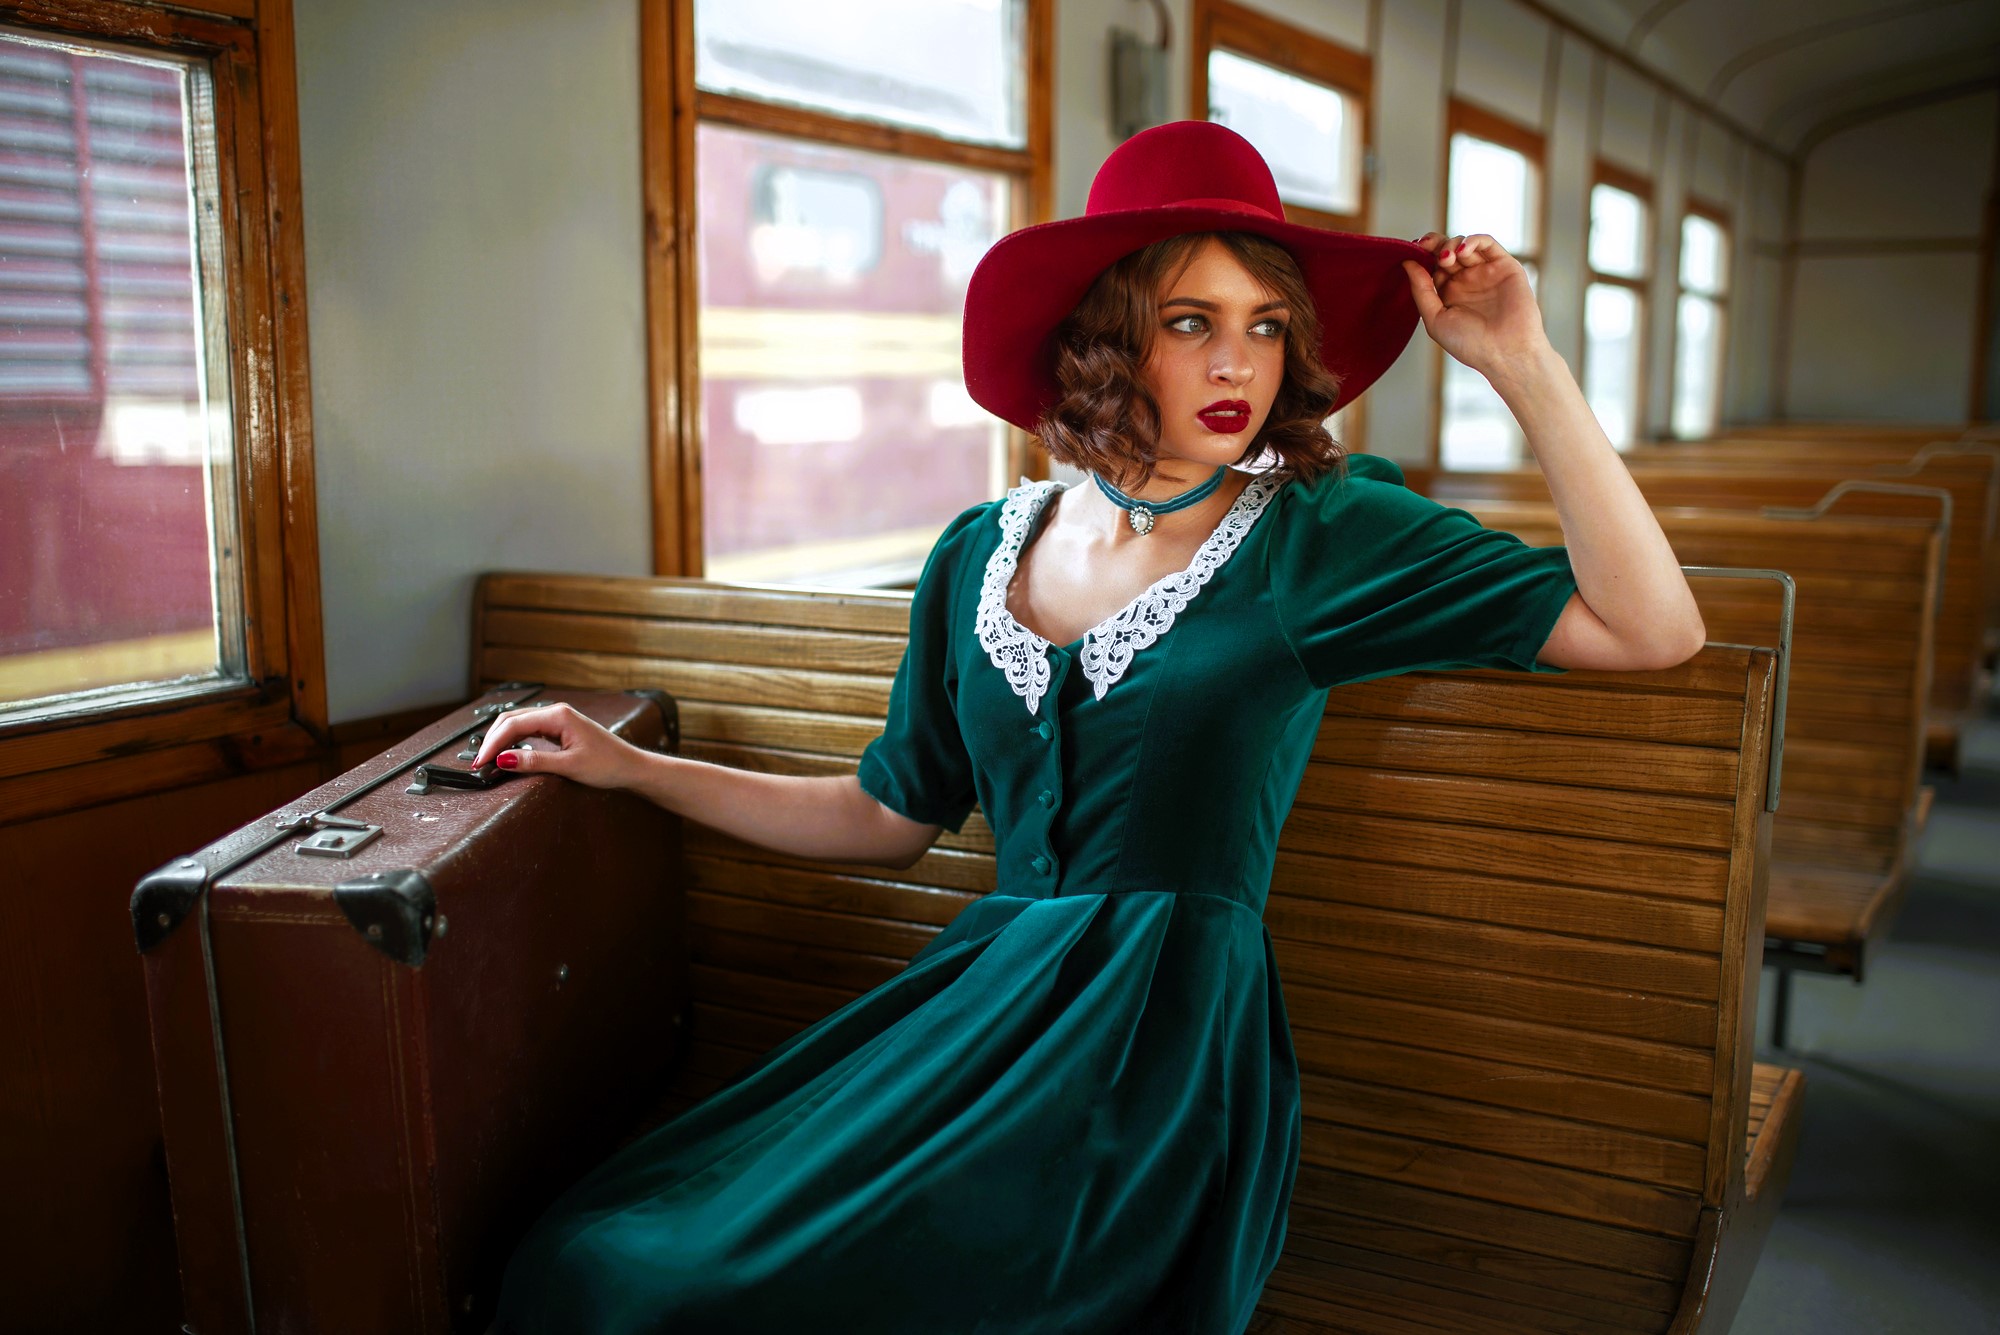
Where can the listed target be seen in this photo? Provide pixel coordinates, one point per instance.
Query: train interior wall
(476, 309)
(1889, 225)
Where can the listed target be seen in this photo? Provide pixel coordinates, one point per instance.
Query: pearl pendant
(1141, 519)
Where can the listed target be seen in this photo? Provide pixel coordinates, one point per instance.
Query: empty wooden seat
(1870, 457)
(1518, 921)
(1854, 805)
(1958, 681)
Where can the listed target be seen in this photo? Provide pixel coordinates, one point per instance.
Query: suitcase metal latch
(338, 843)
(333, 836)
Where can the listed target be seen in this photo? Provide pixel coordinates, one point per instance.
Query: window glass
(1478, 431)
(1697, 367)
(1701, 256)
(1611, 359)
(1308, 132)
(118, 564)
(953, 67)
(838, 438)
(1617, 232)
(1492, 191)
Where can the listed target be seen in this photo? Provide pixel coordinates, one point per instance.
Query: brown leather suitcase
(392, 1021)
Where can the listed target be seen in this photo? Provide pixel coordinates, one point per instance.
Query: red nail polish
(507, 760)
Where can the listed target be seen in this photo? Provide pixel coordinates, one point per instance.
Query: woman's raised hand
(556, 739)
(1478, 305)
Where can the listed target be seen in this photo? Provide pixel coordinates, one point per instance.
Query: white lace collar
(1108, 646)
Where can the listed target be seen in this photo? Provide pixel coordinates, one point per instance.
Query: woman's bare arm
(1633, 609)
(827, 817)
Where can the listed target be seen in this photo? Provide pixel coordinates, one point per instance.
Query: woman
(1077, 1109)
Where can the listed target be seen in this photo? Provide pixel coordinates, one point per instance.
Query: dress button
(1047, 729)
(1042, 864)
(1046, 798)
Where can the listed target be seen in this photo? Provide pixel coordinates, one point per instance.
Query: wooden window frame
(1463, 117)
(1632, 183)
(1717, 214)
(278, 717)
(1221, 25)
(671, 107)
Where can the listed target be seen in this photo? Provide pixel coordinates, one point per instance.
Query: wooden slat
(939, 869)
(1500, 1178)
(1609, 962)
(703, 641)
(862, 694)
(804, 959)
(1895, 546)
(1625, 1011)
(1579, 710)
(1558, 1237)
(701, 600)
(1612, 1287)
(1475, 1303)
(1637, 866)
(1481, 1079)
(1500, 803)
(1826, 905)
(1550, 1047)
(1534, 757)
(1348, 1313)
(1771, 1144)
(761, 994)
(793, 729)
(783, 927)
(1560, 1142)
(1497, 902)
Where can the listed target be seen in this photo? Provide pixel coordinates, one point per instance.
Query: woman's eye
(1270, 328)
(1187, 324)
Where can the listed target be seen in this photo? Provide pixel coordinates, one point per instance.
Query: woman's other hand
(1478, 306)
(557, 739)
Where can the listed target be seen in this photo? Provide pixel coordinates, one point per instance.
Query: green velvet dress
(1077, 1110)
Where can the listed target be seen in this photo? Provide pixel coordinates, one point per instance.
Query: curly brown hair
(1106, 421)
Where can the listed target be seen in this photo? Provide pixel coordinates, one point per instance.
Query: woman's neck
(1111, 522)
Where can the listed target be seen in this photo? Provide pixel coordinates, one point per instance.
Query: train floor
(1891, 1223)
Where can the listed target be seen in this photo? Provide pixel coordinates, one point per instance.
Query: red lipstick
(1225, 416)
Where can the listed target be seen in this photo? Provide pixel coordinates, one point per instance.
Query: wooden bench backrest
(1882, 461)
(1962, 617)
(1921, 432)
(1848, 450)
(1861, 659)
(1518, 921)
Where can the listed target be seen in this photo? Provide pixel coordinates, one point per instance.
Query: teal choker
(1140, 513)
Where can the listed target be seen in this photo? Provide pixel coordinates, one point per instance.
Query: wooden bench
(1917, 432)
(1845, 837)
(1959, 683)
(1876, 459)
(1518, 921)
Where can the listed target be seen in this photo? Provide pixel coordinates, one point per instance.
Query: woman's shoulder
(1362, 487)
(1352, 474)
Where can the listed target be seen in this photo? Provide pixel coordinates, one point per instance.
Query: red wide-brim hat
(1187, 176)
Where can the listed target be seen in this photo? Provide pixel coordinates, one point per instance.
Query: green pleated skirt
(1077, 1114)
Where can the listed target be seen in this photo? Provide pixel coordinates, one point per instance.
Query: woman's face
(1217, 361)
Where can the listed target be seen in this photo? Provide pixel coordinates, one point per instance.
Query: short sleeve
(919, 766)
(1371, 579)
